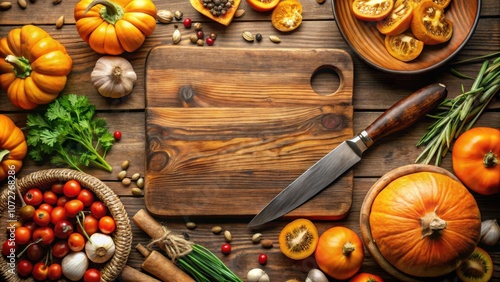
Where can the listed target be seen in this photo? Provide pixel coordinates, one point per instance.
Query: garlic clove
(490, 232)
(316, 275)
(257, 275)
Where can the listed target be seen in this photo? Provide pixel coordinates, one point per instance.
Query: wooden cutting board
(228, 129)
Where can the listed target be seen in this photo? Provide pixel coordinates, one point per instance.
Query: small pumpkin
(34, 67)
(113, 77)
(113, 27)
(13, 147)
(425, 223)
(224, 19)
(476, 159)
(339, 252)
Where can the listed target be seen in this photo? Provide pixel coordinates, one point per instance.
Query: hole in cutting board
(325, 80)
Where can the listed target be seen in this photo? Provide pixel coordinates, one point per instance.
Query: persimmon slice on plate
(398, 20)
(429, 23)
(403, 47)
(372, 10)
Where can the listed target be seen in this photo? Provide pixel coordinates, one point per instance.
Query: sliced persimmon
(262, 5)
(430, 24)
(287, 15)
(372, 10)
(398, 20)
(403, 47)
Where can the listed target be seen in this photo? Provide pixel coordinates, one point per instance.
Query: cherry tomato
(63, 229)
(45, 233)
(403, 47)
(55, 271)
(368, 10)
(117, 135)
(262, 259)
(107, 224)
(46, 207)
(60, 249)
(57, 188)
(23, 235)
(8, 247)
(57, 214)
(41, 217)
(90, 224)
(225, 248)
(72, 188)
(30, 225)
(35, 252)
(49, 197)
(73, 207)
(24, 268)
(210, 41)
(86, 196)
(33, 197)
(92, 275)
(430, 24)
(26, 212)
(98, 209)
(62, 201)
(40, 271)
(366, 277)
(187, 23)
(76, 242)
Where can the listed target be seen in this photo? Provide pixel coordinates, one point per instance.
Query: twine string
(174, 245)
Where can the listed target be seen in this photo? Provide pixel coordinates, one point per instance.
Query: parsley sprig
(69, 135)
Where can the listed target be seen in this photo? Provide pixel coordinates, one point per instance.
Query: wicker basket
(122, 235)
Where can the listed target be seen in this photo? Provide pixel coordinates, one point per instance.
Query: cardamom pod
(136, 191)
(248, 36)
(5, 6)
(164, 16)
(274, 39)
(22, 4)
(176, 36)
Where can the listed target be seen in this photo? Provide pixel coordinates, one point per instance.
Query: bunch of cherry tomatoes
(55, 222)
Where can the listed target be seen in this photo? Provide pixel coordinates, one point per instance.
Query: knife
(400, 116)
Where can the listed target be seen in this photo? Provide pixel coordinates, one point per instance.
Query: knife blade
(400, 116)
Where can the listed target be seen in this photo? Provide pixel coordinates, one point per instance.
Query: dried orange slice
(287, 15)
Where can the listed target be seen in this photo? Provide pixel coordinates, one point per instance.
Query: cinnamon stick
(149, 225)
(130, 274)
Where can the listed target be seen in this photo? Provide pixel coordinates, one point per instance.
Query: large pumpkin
(112, 27)
(13, 148)
(34, 66)
(425, 223)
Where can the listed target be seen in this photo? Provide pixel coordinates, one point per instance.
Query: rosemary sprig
(457, 115)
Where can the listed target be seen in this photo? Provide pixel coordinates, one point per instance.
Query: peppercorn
(258, 37)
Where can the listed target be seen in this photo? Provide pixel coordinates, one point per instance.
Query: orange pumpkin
(13, 147)
(34, 67)
(425, 223)
(113, 27)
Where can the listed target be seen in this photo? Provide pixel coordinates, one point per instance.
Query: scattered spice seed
(121, 175)
(126, 181)
(193, 38)
(200, 34)
(136, 191)
(274, 39)
(164, 16)
(125, 164)
(209, 41)
(239, 13)
(200, 42)
(56, 2)
(140, 183)
(5, 6)
(136, 176)
(256, 238)
(178, 15)
(228, 236)
(197, 26)
(190, 225)
(248, 36)
(187, 23)
(22, 4)
(216, 229)
(60, 22)
(266, 243)
(258, 37)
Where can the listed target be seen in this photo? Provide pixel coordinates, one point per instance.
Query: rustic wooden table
(374, 91)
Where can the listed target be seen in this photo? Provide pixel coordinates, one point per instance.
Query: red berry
(225, 249)
(117, 135)
(200, 34)
(187, 23)
(263, 259)
(210, 41)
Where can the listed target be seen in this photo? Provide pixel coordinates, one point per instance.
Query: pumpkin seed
(191, 225)
(126, 181)
(22, 4)
(178, 15)
(267, 243)
(256, 238)
(136, 176)
(136, 191)
(5, 6)
(176, 36)
(216, 229)
(248, 36)
(228, 236)
(197, 26)
(60, 22)
(125, 164)
(121, 175)
(239, 13)
(274, 39)
(164, 16)
(140, 183)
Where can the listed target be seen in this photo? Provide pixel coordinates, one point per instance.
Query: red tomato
(117, 135)
(41, 217)
(45, 234)
(107, 224)
(73, 207)
(225, 248)
(23, 235)
(72, 188)
(366, 277)
(76, 242)
(46, 207)
(60, 249)
(9, 247)
(24, 268)
(57, 214)
(35, 252)
(262, 259)
(90, 224)
(86, 196)
(40, 271)
(30, 225)
(62, 201)
(92, 275)
(50, 197)
(33, 197)
(98, 209)
(55, 271)
(57, 188)
(63, 229)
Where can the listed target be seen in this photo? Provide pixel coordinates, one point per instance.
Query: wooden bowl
(122, 235)
(368, 43)
(366, 234)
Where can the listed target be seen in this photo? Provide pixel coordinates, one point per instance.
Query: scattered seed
(178, 15)
(248, 36)
(267, 243)
(258, 37)
(136, 192)
(56, 2)
(191, 225)
(125, 164)
(186, 236)
(228, 236)
(239, 13)
(22, 4)
(197, 26)
(140, 183)
(164, 16)
(5, 6)
(121, 175)
(216, 229)
(176, 36)
(136, 176)
(193, 38)
(274, 39)
(213, 35)
(256, 238)
(126, 181)
(60, 22)
(200, 42)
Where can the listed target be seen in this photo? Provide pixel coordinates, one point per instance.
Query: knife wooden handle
(407, 111)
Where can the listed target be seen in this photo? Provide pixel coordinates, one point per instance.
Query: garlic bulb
(100, 248)
(316, 275)
(490, 232)
(257, 275)
(113, 76)
(74, 265)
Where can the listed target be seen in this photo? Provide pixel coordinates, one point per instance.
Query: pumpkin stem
(111, 12)
(4, 154)
(22, 67)
(490, 160)
(348, 248)
(431, 224)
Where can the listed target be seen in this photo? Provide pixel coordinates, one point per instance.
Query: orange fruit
(287, 15)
